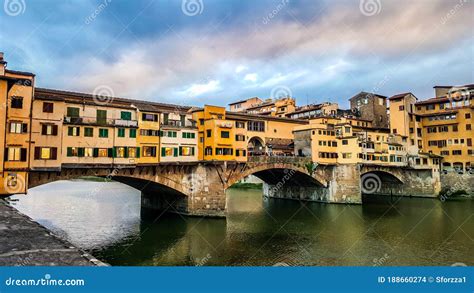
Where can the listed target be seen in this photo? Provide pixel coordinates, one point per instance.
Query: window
(182, 120)
(49, 129)
(101, 116)
(345, 142)
(468, 115)
(401, 108)
(208, 151)
(133, 133)
(73, 131)
(125, 115)
(239, 137)
(165, 118)
(132, 152)
(88, 131)
(72, 112)
(120, 152)
(457, 152)
(48, 107)
(149, 117)
(188, 135)
(103, 132)
(169, 152)
(88, 152)
(16, 154)
(18, 127)
(101, 153)
(239, 124)
(469, 141)
(45, 153)
(171, 134)
(468, 126)
(455, 128)
(72, 152)
(121, 132)
(208, 133)
(186, 151)
(430, 107)
(224, 134)
(17, 102)
(149, 151)
(346, 155)
(256, 126)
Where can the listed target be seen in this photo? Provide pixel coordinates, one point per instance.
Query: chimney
(3, 64)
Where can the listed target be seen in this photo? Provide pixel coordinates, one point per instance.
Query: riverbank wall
(25, 242)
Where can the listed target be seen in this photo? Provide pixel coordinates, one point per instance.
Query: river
(104, 219)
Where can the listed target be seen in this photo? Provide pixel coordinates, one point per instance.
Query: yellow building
(447, 126)
(16, 95)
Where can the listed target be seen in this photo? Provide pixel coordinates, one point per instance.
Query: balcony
(100, 122)
(178, 124)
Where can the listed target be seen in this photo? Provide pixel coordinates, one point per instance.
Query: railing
(178, 123)
(279, 159)
(104, 122)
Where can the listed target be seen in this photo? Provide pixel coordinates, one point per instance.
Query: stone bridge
(199, 188)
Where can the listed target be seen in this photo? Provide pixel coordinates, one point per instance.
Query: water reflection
(408, 231)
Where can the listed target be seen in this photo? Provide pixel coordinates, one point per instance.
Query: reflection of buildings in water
(89, 214)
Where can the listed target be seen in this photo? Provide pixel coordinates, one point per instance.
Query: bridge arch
(277, 173)
(379, 182)
(256, 145)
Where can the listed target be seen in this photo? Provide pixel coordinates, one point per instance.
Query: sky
(196, 52)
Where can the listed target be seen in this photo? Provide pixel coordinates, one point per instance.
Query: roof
(19, 72)
(398, 96)
(307, 108)
(54, 94)
(367, 94)
(242, 101)
(247, 116)
(433, 101)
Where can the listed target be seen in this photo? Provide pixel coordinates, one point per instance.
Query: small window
(18, 127)
(225, 134)
(89, 131)
(73, 131)
(208, 133)
(133, 133)
(125, 115)
(48, 107)
(121, 132)
(72, 112)
(103, 132)
(17, 102)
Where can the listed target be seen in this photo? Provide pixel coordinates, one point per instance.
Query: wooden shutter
(54, 153)
(110, 152)
(23, 155)
(43, 129)
(163, 152)
(37, 153)
(55, 130)
(175, 152)
(80, 152)
(138, 152)
(24, 128)
(95, 153)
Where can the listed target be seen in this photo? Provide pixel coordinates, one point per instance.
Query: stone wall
(453, 182)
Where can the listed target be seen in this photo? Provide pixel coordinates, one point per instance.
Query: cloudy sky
(215, 52)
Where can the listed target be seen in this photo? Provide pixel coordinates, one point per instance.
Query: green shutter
(114, 152)
(138, 152)
(121, 132)
(110, 152)
(163, 152)
(133, 133)
(192, 151)
(180, 151)
(125, 152)
(80, 152)
(183, 134)
(69, 152)
(69, 131)
(126, 115)
(175, 152)
(95, 152)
